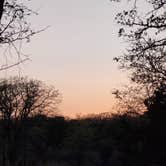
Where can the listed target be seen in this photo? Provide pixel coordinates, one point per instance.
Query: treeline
(31, 134)
(117, 140)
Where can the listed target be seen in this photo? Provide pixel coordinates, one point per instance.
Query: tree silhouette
(143, 26)
(130, 99)
(20, 99)
(156, 104)
(1, 8)
(14, 29)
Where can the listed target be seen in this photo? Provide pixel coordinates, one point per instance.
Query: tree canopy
(143, 26)
(22, 97)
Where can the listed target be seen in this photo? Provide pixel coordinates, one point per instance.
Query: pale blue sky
(75, 54)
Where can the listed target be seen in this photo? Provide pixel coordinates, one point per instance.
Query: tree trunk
(1, 8)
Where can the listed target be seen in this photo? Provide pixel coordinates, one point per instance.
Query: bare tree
(143, 26)
(21, 98)
(14, 29)
(131, 99)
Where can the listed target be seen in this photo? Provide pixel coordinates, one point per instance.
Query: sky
(75, 54)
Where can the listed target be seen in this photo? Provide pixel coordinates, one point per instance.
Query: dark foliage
(20, 99)
(156, 105)
(118, 140)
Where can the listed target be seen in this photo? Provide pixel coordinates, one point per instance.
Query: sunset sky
(75, 54)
